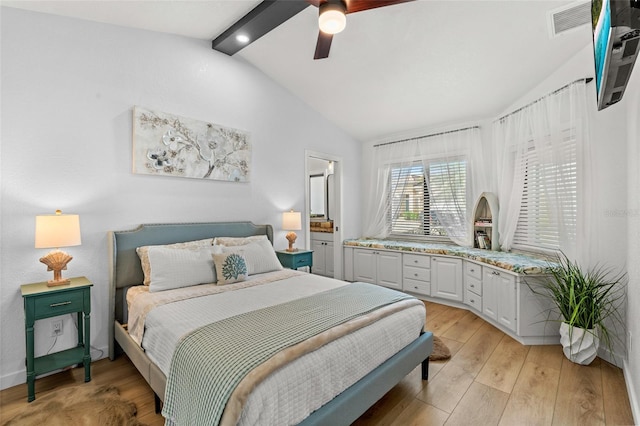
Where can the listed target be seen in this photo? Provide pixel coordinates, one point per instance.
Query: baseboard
(20, 377)
(633, 392)
(614, 359)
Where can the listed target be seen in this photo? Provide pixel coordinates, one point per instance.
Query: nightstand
(42, 302)
(295, 259)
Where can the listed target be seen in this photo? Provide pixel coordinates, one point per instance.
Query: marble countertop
(514, 262)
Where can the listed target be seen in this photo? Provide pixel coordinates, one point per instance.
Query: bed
(336, 406)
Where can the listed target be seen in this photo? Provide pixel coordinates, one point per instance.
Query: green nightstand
(41, 302)
(295, 259)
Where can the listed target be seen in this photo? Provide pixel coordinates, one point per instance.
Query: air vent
(569, 17)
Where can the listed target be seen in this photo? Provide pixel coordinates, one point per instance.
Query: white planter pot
(579, 345)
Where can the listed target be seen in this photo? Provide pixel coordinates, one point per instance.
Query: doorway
(323, 206)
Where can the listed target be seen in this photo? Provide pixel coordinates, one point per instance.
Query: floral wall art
(169, 145)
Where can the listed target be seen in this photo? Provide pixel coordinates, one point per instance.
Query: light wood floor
(490, 380)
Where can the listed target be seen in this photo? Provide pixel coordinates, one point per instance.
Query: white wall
(632, 365)
(69, 87)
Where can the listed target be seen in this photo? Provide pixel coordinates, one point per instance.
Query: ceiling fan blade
(354, 6)
(323, 45)
(360, 5)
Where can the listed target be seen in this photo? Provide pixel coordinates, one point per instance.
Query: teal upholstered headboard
(124, 265)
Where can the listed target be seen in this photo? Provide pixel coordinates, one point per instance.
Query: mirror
(317, 196)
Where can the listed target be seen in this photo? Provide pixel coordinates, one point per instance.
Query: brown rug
(440, 350)
(84, 405)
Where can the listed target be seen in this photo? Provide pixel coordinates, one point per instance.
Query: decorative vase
(579, 345)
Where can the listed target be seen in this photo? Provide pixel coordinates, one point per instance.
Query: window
(549, 198)
(421, 210)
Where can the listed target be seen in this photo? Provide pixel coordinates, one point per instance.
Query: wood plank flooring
(490, 380)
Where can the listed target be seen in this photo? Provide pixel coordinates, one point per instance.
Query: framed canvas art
(170, 145)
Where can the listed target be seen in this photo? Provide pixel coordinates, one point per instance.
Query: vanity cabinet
(322, 246)
(446, 278)
(416, 273)
(499, 296)
(378, 267)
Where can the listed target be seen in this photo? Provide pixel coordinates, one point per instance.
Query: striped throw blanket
(211, 361)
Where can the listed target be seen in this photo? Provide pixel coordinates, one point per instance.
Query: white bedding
(296, 390)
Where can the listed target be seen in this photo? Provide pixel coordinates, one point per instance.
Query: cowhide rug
(84, 405)
(440, 350)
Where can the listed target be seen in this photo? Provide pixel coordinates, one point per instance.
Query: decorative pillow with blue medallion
(230, 267)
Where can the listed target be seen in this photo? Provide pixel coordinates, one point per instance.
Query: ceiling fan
(271, 13)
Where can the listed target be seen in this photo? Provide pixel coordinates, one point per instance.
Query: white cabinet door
(319, 257)
(489, 293)
(389, 269)
(378, 267)
(507, 300)
(446, 278)
(364, 266)
(499, 296)
(328, 260)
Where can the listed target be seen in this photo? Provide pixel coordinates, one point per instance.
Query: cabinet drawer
(420, 274)
(416, 260)
(473, 270)
(473, 300)
(414, 286)
(58, 304)
(473, 285)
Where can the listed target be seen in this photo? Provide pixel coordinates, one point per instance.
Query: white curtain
(552, 132)
(441, 155)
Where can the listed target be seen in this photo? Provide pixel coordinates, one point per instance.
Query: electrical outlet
(56, 328)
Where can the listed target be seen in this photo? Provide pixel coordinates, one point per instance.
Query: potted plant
(589, 302)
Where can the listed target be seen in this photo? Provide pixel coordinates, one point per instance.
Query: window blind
(414, 210)
(549, 198)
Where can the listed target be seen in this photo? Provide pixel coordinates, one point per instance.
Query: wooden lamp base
(56, 261)
(291, 237)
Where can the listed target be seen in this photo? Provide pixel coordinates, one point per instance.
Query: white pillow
(188, 245)
(230, 267)
(174, 267)
(260, 256)
(238, 241)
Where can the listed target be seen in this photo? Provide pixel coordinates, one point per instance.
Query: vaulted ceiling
(416, 65)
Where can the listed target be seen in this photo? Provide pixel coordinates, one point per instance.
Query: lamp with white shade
(55, 231)
(291, 221)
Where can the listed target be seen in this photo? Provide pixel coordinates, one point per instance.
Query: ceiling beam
(262, 19)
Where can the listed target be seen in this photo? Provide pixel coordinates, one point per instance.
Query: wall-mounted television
(616, 43)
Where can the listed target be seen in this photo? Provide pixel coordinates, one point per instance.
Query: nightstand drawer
(295, 259)
(303, 259)
(61, 303)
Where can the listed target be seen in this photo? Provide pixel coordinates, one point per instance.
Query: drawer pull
(472, 285)
(53, 305)
(473, 301)
(415, 275)
(415, 286)
(472, 270)
(415, 261)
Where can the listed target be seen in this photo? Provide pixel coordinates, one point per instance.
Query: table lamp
(55, 231)
(291, 221)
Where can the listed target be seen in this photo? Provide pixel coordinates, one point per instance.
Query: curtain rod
(427, 136)
(586, 80)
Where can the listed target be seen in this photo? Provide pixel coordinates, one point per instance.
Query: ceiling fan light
(332, 18)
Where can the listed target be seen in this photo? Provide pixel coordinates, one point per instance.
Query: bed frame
(125, 271)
